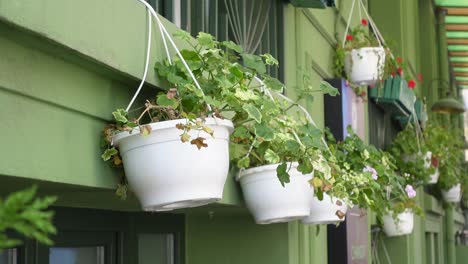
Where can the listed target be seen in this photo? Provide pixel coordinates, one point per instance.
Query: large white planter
(167, 174)
(365, 66)
(269, 201)
(453, 195)
(403, 225)
(325, 211)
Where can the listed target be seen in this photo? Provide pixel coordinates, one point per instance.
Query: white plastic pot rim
(270, 167)
(171, 124)
(368, 49)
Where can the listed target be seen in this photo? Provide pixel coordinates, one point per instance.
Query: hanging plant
(211, 88)
(368, 177)
(412, 155)
(361, 57)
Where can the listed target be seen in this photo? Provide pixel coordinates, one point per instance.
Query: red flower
(349, 37)
(399, 60)
(364, 22)
(411, 84)
(419, 77)
(393, 74)
(363, 94)
(435, 162)
(372, 85)
(400, 71)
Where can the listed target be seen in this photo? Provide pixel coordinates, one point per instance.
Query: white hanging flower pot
(452, 195)
(434, 177)
(326, 211)
(269, 201)
(167, 174)
(402, 225)
(365, 66)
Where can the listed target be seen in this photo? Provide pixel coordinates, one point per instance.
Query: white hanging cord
(371, 23)
(164, 32)
(306, 113)
(349, 22)
(360, 15)
(166, 48)
(145, 72)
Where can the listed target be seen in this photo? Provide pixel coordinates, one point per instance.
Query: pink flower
(420, 78)
(372, 171)
(410, 191)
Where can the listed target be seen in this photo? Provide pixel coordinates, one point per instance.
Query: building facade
(65, 65)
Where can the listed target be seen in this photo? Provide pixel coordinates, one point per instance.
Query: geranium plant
(351, 54)
(450, 157)
(264, 133)
(411, 155)
(367, 177)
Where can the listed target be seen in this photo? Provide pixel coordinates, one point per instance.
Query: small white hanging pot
(434, 177)
(167, 174)
(365, 66)
(327, 211)
(269, 201)
(452, 195)
(402, 225)
(426, 157)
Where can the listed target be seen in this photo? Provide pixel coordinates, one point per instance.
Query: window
(9, 256)
(212, 16)
(76, 255)
(156, 249)
(87, 236)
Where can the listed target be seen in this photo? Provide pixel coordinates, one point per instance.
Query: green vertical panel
(293, 243)
(318, 244)
(232, 237)
(462, 254)
(387, 15)
(429, 62)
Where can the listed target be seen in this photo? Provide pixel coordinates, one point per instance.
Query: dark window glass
(76, 255)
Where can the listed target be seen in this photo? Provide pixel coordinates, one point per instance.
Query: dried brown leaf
(340, 214)
(199, 142)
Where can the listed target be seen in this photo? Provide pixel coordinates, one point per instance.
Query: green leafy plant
(409, 150)
(447, 149)
(359, 37)
(366, 176)
(265, 132)
(27, 215)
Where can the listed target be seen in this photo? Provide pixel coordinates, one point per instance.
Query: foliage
(265, 131)
(359, 37)
(409, 150)
(27, 215)
(447, 147)
(366, 176)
